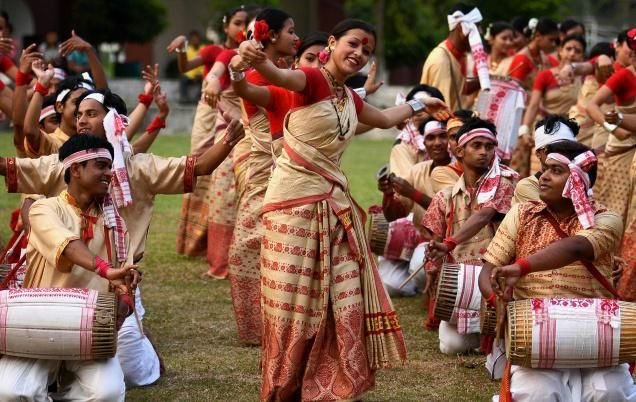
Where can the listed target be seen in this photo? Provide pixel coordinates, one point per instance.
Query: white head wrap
(469, 28)
(560, 133)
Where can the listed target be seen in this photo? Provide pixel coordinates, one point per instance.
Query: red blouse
(623, 85)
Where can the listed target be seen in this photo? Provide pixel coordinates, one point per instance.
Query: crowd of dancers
(508, 203)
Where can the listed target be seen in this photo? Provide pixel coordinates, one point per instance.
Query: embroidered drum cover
(59, 324)
(563, 332)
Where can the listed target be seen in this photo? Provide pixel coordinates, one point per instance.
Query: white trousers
(24, 379)
(394, 272)
(452, 343)
(137, 357)
(613, 384)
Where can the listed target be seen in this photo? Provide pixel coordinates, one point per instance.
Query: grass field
(193, 324)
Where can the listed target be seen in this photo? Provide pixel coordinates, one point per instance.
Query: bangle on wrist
(525, 266)
(145, 99)
(573, 67)
(41, 89)
(523, 130)
(450, 243)
(22, 78)
(183, 48)
(236, 75)
(157, 124)
(101, 267)
(416, 105)
(621, 117)
(610, 127)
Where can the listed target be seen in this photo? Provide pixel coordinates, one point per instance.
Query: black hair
(569, 24)
(552, 122)
(275, 19)
(48, 100)
(575, 37)
(350, 23)
(473, 123)
(546, 26)
(464, 114)
(356, 80)
(314, 38)
(572, 149)
(622, 37)
(498, 27)
(462, 7)
(72, 83)
(519, 24)
(110, 100)
(605, 48)
(432, 91)
(82, 142)
(227, 16)
(194, 32)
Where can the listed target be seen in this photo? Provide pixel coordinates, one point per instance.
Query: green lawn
(192, 319)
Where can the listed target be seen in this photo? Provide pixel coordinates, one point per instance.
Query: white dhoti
(137, 357)
(496, 360)
(451, 342)
(572, 385)
(23, 379)
(394, 272)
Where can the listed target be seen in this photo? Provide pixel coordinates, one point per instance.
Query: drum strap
(108, 247)
(11, 275)
(455, 86)
(586, 263)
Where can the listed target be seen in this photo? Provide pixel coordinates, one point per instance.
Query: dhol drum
(17, 278)
(458, 297)
(563, 332)
(395, 240)
(503, 105)
(58, 324)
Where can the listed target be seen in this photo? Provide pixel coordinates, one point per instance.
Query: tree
(100, 21)
(413, 27)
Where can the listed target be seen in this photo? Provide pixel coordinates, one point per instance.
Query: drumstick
(407, 280)
(131, 294)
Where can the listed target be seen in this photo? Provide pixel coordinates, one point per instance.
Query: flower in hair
(261, 31)
(324, 55)
(298, 44)
(631, 38)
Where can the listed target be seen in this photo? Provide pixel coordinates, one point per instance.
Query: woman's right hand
(177, 43)
(250, 53)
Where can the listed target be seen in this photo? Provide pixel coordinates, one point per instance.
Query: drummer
(538, 262)
(412, 194)
(473, 208)
(68, 248)
(552, 129)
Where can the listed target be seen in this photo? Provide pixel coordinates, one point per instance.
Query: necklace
(339, 102)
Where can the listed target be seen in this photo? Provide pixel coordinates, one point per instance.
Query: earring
(324, 55)
(273, 40)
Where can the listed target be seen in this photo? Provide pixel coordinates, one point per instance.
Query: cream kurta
(420, 178)
(442, 71)
(526, 190)
(54, 224)
(403, 158)
(149, 175)
(49, 143)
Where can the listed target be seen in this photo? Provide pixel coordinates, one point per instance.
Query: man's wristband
(145, 99)
(418, 196)
(450, 243)
(492, 299)
(416, 105)
(525, 266)
(41, 89)
(101, 267)
(157, 124)
(22, 79)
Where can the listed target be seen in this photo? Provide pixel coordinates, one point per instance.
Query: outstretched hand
(371, 85)
(43, 72)
(75, 42)
(150, 74)
(177, 43)
(234, 133)
(28, 56)
(436, 250)
(250, 53)
(511, 275)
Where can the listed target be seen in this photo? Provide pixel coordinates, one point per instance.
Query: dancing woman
(328, 323)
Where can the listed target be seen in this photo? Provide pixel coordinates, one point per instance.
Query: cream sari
(328, 322)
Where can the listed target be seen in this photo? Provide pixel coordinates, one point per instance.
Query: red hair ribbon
(631, 38)
(261, 30)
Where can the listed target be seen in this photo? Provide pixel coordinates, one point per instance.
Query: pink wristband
(41, 89)
(451, 243)
(101, 267)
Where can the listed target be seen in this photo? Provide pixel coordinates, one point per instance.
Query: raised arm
(254, 93)
(294, 80)
(150, 74)
(19, 106)
(97, 70)
(31, 119)
(150, 135)
(531, 113)
(178, 45)
(212, 91)
(390, 117)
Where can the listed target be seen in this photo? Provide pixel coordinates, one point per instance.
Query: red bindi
(365, 40)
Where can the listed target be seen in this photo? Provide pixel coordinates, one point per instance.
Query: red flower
(261, 30)
(240, 37)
